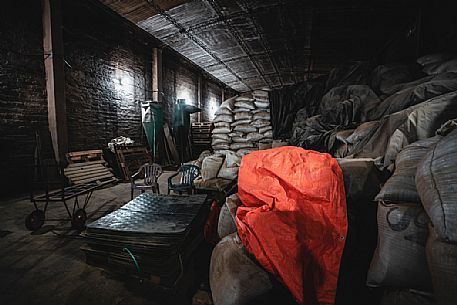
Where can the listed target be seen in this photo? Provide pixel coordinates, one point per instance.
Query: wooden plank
(77, 165)
(133, 151)
(171, 144)
(91, 178)
(82, 181)
(201, 124)
(84, 158)
(85, 152)
(87, 173)
(76, 169)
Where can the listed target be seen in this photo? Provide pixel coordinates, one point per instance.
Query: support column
(55, 76)
(199, 96)
(157, 75)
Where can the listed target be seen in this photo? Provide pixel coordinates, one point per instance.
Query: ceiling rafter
(235, 34)
(248, 9)
(286, 44)
(207, 24)
(192, 37)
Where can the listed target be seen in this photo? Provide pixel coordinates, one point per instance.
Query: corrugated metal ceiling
(251, 44)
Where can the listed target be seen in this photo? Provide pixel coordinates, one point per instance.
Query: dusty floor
(48, 267)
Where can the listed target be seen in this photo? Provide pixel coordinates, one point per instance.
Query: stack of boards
(152, 237)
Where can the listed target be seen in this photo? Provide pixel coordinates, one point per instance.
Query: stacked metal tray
(151, 236)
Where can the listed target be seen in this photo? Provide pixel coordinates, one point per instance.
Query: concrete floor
(48, 267)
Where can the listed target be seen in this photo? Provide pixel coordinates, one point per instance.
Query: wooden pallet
(131, 158)
(87, 166)
(201, 137)
(84, 156)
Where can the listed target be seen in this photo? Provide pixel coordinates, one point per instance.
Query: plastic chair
(188, 174)
(152, 173)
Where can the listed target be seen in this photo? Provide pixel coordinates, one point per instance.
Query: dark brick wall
(23, 104)
(107, 76)
(212, 98)
(180, 80)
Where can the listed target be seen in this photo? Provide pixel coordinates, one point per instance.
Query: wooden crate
(131, 158)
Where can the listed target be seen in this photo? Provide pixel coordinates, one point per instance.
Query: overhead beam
(55, 76)
(138, 10)
(236, 35)
(250, 12)
(197, 41)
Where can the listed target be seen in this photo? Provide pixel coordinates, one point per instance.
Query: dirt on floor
(48, 267)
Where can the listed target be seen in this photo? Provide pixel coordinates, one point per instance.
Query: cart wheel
(34, 220)
(78, 220)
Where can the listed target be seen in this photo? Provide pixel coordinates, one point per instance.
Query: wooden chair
(188, 174)
(152, 173)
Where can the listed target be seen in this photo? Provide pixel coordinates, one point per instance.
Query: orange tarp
(293, 218)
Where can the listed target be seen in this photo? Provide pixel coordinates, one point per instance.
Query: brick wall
(212, 98)
(107, 75)
(180, 80)
(23, 104)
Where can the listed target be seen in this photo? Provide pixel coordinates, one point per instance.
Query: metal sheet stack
(152, 236)
(242, 124)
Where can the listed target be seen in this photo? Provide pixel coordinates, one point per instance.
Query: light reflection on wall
(212, 108)
(183, 93)
(123, 82)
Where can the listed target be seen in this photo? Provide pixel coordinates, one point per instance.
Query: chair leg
(168, 191)
(131, 193)
(158, 188)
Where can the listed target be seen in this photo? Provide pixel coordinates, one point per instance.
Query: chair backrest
(189, 173)
(151, 173)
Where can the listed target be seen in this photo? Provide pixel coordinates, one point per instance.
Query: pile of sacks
(392, 115)
(417, 221)
(235, 276)
(380, 122)
(382, 111)
(217, 171)
(242, 124)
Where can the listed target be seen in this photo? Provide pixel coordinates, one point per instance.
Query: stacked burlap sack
(436, 181)
(417, 222)
(381, 110)
(242, 124)
(217, 170)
